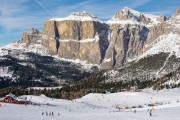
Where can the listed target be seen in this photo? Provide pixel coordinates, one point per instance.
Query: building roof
(11, 95)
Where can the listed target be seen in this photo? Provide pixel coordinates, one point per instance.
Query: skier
(130, 109)
(150, 112)
(52, 114)
(42, 113)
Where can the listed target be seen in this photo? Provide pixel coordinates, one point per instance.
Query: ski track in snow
(167, 59)
(96, 106)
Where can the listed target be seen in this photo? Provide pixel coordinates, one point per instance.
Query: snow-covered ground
(99, 107)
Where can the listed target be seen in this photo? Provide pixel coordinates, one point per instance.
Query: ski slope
(98, 107)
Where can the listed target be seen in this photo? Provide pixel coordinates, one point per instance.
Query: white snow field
(99, 107)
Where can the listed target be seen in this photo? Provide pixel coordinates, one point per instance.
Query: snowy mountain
(73, 48)
(33, 66)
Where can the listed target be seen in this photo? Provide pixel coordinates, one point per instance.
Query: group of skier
(49, 114)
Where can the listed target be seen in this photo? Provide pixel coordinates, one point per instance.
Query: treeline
(94, 84)
(76, 90)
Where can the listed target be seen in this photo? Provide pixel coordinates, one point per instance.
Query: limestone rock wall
(126, 42)
(109, 45)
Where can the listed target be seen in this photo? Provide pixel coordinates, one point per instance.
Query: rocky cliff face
(110, 44)
(81, 36)
(31, 36)
(126, 42)
(132, 34)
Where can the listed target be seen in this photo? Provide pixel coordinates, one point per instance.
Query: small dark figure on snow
(46, 113)
(52, 114)
(150, 113)
(58, 114)
(42, 113)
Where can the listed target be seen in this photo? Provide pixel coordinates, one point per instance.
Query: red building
(13, 99)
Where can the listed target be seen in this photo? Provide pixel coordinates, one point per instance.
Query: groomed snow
(98, 107)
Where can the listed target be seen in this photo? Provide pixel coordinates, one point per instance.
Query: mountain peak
(79, 16)
(33, 31)
(178, 11)
(131, 11)
(175, 19)
(83, 14)
(129, 16)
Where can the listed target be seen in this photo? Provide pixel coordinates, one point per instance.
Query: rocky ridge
(112, 44)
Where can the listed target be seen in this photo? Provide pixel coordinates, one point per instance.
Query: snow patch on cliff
(95, 39)
(79, 16)
(134, 18)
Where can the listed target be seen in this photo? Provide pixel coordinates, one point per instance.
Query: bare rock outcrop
(162, 18)
(177, 11)
(83, 39)
(129, 14)
(78, 30)
(50, 28)
(126, 42)
(110, 44)
(32, 36)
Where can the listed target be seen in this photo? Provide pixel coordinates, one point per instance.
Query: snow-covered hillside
(99, 107)
(34, 48)
(17, 49)
(4, 71)
(169, 43)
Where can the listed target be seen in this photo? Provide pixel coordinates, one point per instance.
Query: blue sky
(17, 16)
